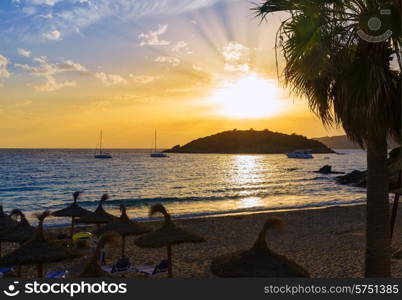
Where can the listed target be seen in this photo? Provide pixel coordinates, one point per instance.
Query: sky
(70, 68)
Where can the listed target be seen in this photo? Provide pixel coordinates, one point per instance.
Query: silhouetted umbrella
(99, 216)
(5, 220)
(125, 227)
(92, 268)
(166, 236)
(259, 261)
(19, 233)
(73, 211)
(38, 251)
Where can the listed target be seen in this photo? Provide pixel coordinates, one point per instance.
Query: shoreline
(228, 213)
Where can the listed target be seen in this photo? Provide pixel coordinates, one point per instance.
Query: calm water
(188, 184)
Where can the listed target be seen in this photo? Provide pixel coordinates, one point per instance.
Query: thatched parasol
(92, 268)
(125, 227)
(38, 251)
(99, 216)
(259, 261)
(19, 233)
(5, 220)
(73, 211)
(166, 236)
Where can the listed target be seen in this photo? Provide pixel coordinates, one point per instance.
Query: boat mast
(155, 141)
(100, 143)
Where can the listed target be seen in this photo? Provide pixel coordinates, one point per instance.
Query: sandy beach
(328, 242)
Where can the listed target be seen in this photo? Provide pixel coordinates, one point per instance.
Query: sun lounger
(4, 271)
(150, 271)
(122, 266)
(57, 274)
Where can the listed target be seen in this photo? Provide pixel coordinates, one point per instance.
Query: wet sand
(328, 242)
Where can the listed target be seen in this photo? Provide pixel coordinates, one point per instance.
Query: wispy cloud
(3, 67)
(54, 35)
(236, 57)
(143, 79)
(51, 85)
(170, 60)
(24, 52)
(181, 47)
(48, 70)
(151, 38)
(110, 79)
(70, 16)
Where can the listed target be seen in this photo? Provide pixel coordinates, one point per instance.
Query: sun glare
(248, 97)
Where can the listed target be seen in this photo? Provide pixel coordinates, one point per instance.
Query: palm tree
(336, 58)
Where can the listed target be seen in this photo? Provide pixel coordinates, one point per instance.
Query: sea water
(187, 184)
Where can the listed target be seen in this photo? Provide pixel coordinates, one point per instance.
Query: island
(251, 142)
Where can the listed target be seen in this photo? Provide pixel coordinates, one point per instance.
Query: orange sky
(186, 73)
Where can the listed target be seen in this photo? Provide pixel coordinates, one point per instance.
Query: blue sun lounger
(57, 274)
(150, 271)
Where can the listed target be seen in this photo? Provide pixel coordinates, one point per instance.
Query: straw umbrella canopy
(38, 251)
(73, 211)
(166, 236)
(125, 227)
(99, 216)
(259, 261)
(92, 268)
(5, 220)
(21, 232)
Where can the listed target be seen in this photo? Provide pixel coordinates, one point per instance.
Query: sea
(189, 185)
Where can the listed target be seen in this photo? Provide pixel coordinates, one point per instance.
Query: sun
(250, 96)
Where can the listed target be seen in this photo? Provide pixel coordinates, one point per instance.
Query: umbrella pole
(19, 271)
(72, 230)
(169, 257)
(0, 248)
(40, 270)
(123, 246)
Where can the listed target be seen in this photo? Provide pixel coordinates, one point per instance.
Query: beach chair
(57, 274)
(4, 271)
(122, 266)
(161, 268)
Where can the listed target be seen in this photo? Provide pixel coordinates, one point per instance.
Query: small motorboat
(158, 154)
(301, 153)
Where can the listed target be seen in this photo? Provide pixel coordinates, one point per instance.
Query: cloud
(51, 85)
(144, 79)
(3, 67)
(181, 47)
(236, 57)
(110, 79)
(48, 70)
(54, 35)
(24, 52)
(151, 38)
(234, 51)
(71, 16)
(237, 68)
(174, 61)
(197, 67)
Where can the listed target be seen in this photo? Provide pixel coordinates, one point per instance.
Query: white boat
(100, 153)
(157, 154)
(301, 153)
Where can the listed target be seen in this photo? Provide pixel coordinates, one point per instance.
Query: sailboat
(157, 154)
(101, 154)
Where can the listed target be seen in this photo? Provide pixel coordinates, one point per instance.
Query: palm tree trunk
(378, 241)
